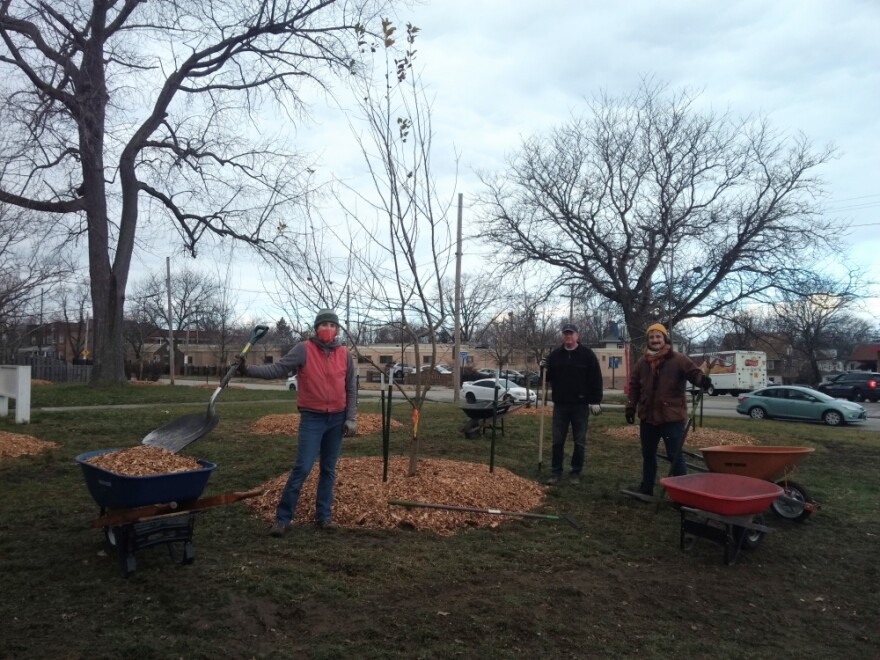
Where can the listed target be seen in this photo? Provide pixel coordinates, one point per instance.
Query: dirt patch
(38, 381)
(361, 497)
(15, 444)
(700, 437)
(289, 424)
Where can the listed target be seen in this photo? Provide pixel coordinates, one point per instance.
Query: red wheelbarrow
(725, 508)
(770, 463)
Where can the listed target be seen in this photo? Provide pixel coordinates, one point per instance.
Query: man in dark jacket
(657, 389)
(576, 378)
(327, 401)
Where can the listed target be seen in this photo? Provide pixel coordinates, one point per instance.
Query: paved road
(713, 406)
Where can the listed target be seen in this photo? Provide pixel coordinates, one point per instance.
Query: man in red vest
(327, 401)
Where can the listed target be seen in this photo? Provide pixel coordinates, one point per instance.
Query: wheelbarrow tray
(485, 410)
(118, 491)
(769, 463)
(723, 494)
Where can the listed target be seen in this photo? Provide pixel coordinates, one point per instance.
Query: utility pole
(456, 361)
(170, 321)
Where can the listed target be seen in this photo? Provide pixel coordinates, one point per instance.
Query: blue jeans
(319, 434)
(577, 415)
(672, 434)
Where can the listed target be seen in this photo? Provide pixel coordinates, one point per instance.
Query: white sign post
(15, 383)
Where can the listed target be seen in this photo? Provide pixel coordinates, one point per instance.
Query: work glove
(350, 427)
(595, 408)
(630, 416)
(242, 366)
(706, 383)
(543, 363)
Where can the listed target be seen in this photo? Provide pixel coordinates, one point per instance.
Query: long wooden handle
(541, 421)
(153, 510)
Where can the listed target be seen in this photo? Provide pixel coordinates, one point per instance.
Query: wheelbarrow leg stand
(724, 530)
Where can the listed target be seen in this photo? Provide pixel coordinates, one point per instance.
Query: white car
(484, 390)
(291, 383)
(399, 369)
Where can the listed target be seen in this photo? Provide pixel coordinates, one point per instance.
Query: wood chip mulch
(698, 437)
(361, 497)
(16, 444)
(289, 424)
(38, 381)
(143, 460)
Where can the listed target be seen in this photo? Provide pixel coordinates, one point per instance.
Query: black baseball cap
(570, 327)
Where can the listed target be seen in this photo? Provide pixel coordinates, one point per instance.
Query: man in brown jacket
(657, 389)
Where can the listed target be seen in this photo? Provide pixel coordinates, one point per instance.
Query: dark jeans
(672, 434)
(576, 415)
(320, 434)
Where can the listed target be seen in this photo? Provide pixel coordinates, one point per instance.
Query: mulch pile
(698, 437)
(289, 424)
(361, 497)
(15, 444)
(144, 460)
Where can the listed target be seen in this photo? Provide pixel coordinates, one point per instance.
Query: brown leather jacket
(660, 395)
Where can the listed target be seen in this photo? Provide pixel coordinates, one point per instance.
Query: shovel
(176, 435)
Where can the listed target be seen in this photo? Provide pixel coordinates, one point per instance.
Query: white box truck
(733, 372)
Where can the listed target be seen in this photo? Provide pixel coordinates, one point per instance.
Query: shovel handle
(258, 333)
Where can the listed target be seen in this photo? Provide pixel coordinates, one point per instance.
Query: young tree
(115, 106)
(411, 247)
(667, 211)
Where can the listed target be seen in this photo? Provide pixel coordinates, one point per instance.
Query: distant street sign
(614, 362)
(85, 353)
(463, 355)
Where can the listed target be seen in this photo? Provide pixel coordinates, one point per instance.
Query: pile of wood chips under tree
(15, 444)
(698, 437)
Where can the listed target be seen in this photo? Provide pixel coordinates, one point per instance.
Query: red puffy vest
(321, 381)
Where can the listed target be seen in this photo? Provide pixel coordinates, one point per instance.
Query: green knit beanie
(325, 315)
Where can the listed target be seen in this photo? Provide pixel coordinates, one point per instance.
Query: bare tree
(31, 261)
(194, 299)
(74, 305)
(820, 319)
(115, 105)
(476, 299)
(666, 211)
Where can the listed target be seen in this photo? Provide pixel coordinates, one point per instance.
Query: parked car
(514, 375)
(437, 368)
(853, 385)
(291, 383)
(485, 371)
(400, 368)
(484, 390)
(798, 403)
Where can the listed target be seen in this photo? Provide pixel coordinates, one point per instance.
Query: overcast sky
(502, 70)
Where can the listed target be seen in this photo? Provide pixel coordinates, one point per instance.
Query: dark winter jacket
(575, 375)
(660, 395)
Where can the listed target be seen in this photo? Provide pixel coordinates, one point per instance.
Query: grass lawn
(527, 588)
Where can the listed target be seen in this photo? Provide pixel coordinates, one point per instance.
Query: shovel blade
(176, 435)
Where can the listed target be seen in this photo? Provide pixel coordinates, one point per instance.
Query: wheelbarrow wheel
(792, 504)
(751, 538)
